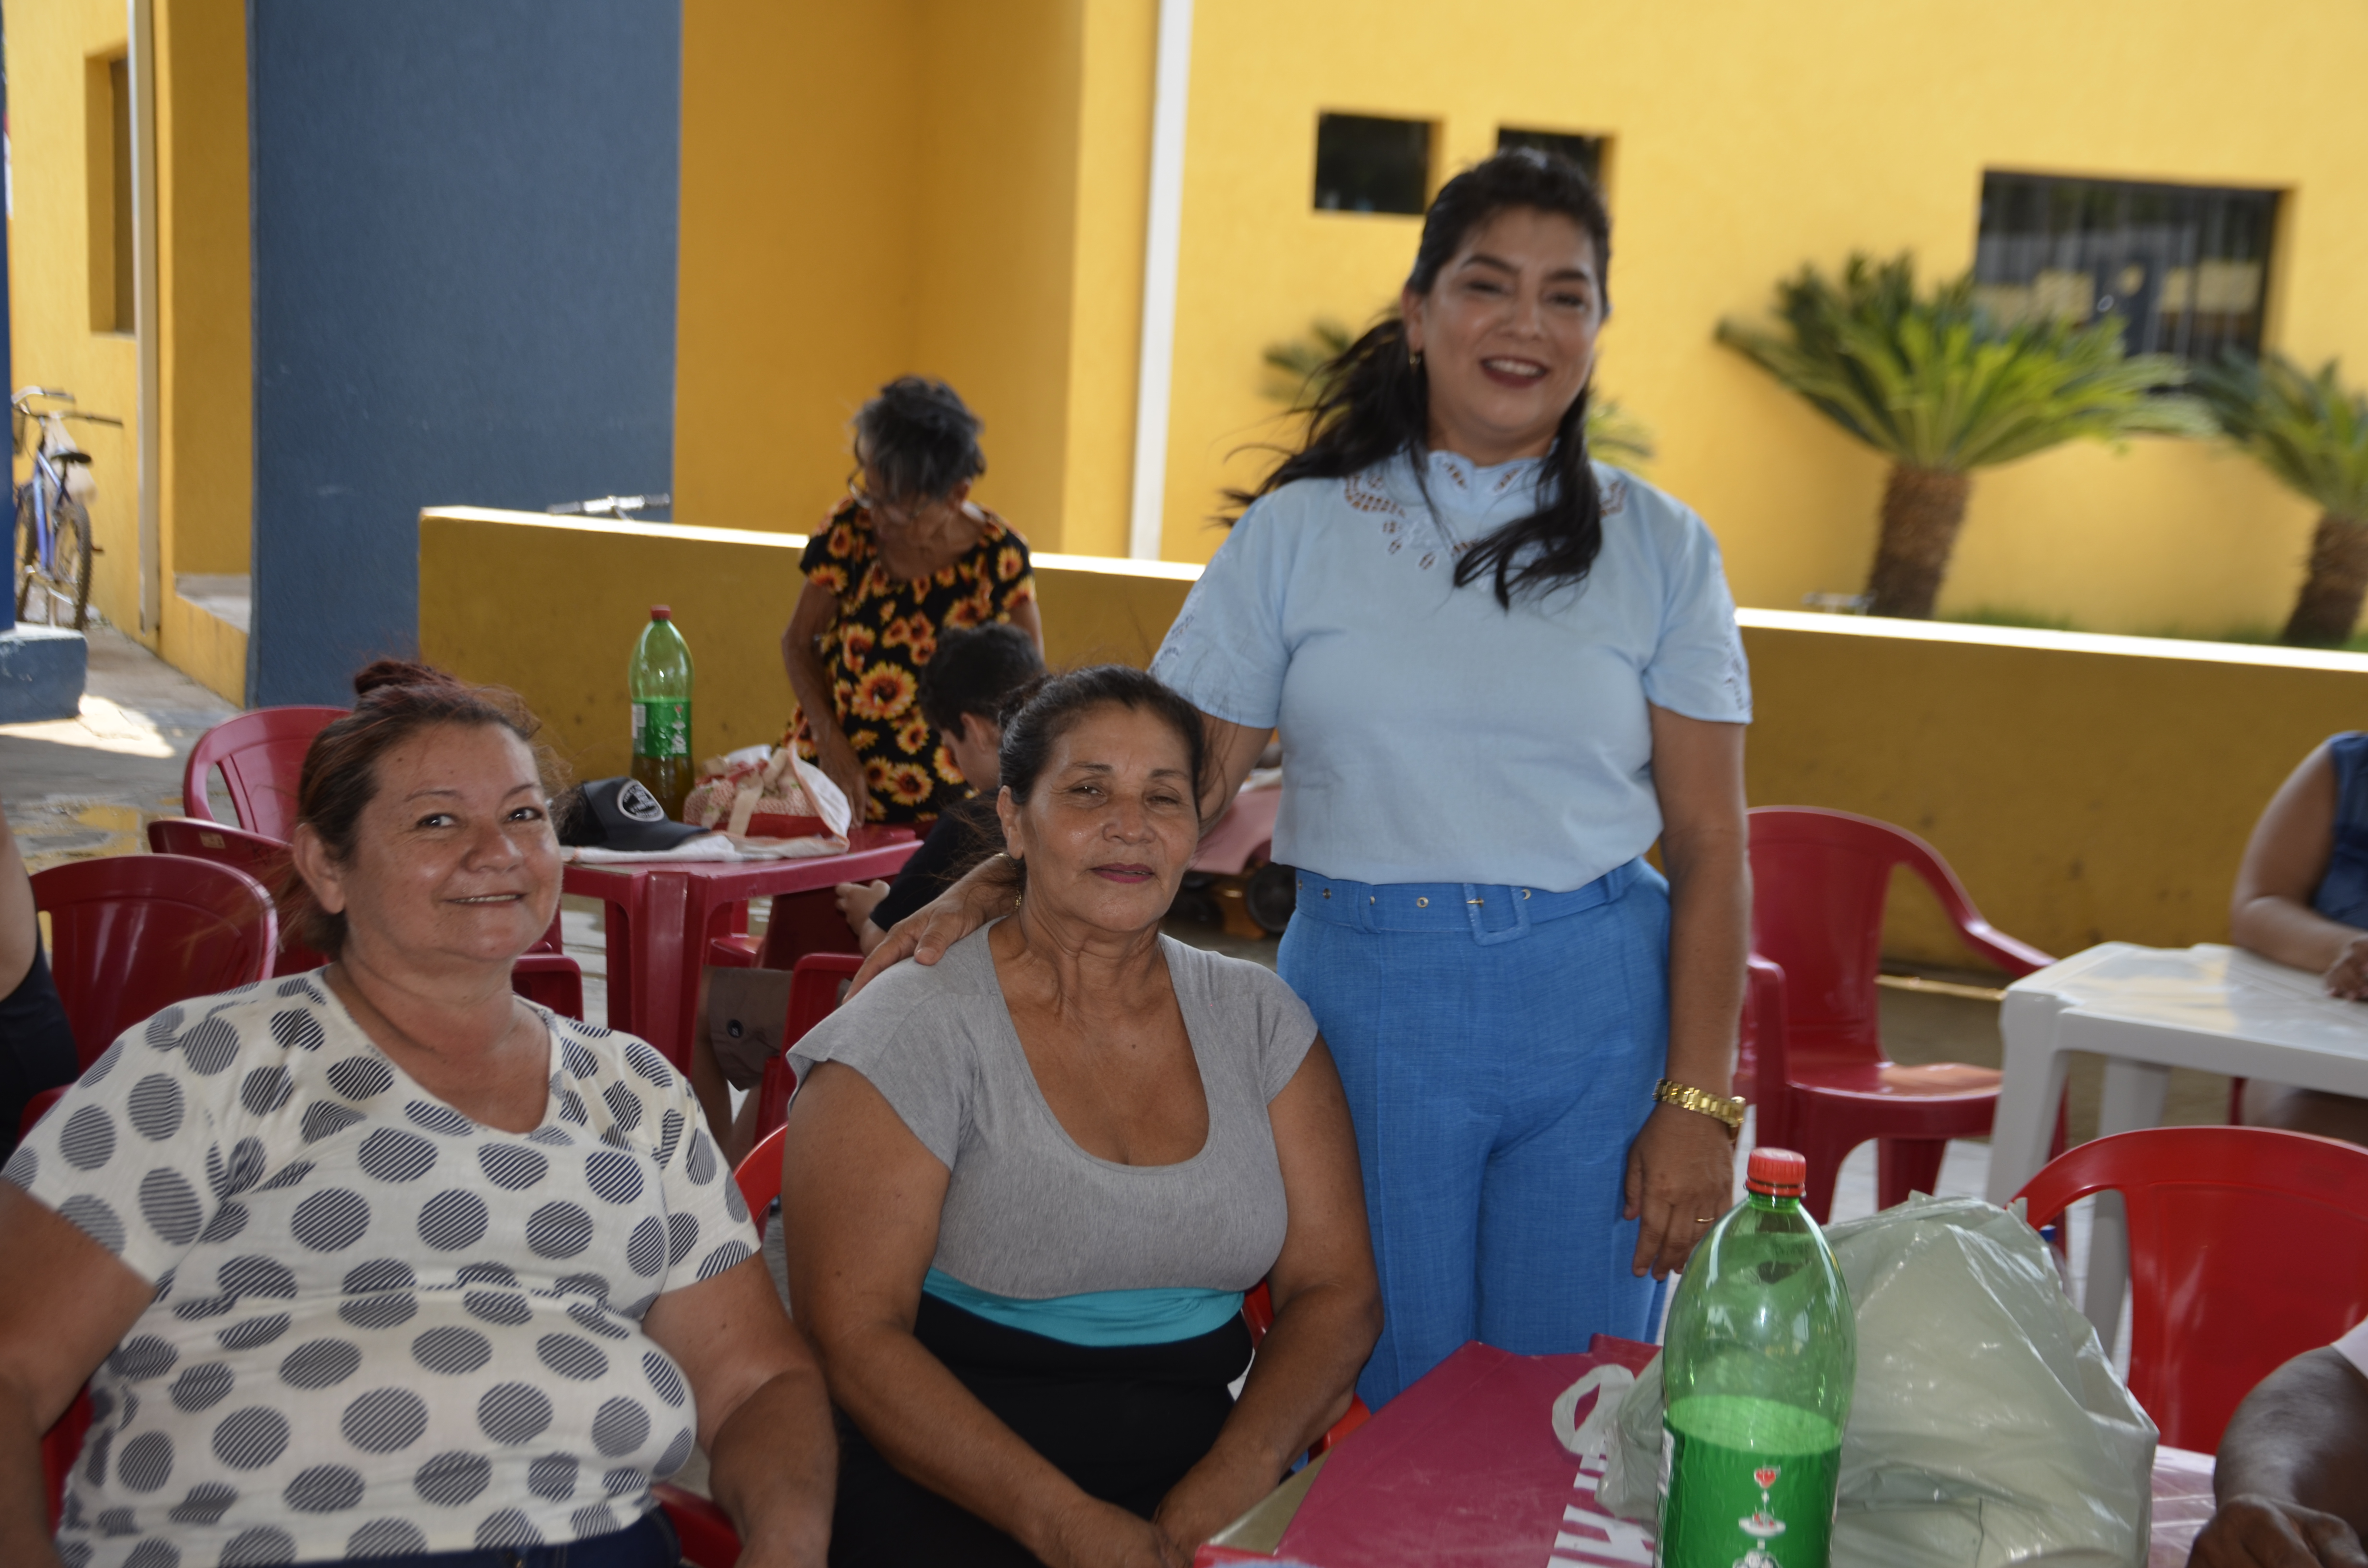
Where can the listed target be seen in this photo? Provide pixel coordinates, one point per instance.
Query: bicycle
(52, 508)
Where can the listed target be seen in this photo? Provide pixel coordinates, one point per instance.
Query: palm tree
(1294, 369)
(1941, 388)
(2312, 435)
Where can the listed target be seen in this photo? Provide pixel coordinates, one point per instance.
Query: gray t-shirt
(1028, 1212)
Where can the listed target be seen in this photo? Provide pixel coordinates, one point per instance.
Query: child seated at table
(963, 691)
(2302, 899)
(976, 673)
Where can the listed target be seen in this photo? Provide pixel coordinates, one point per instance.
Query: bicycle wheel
(70, 558)
(28, 552)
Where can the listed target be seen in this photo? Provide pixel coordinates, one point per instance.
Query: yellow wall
(54, 132)
(2085, 788)
(65, 165)
(566, 646)
(1747, 139)
(923, 185)
(207, 354)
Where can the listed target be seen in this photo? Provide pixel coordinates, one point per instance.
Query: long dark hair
(1371, 403)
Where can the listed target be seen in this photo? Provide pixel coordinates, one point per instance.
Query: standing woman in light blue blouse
(1501, 672)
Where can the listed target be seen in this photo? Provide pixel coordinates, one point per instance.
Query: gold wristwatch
(1726, 1109)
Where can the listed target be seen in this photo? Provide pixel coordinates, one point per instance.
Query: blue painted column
(464, 231)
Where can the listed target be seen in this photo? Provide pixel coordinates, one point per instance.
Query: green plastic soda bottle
(1758, 1365)
(659, 682)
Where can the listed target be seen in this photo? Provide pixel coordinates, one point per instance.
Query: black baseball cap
(622, 814)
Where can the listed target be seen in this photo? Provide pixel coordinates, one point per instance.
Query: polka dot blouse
(379, 1328)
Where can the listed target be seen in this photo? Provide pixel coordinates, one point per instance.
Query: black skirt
(1124, 1422)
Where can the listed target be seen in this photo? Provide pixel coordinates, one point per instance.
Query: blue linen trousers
(1500, 1046)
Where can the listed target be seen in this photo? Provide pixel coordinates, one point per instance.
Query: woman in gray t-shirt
(1026, 1188)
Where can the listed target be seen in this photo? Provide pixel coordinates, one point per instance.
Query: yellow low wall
(550, 607)
(207, 649)
(2086, 787)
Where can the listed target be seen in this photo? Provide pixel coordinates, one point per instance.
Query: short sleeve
(1225, 652)
(133, 1152)
(2353, 1346)
(1698, 669)
(707, 1219)
(1250, 1004)
(908, 1049)
(829, 551)
(1286, 1031)
(1015, 578)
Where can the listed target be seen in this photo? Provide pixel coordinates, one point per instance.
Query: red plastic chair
(816, 983)
(2248, 1247)
(544, 973)
(1821, 1081)
(131, 935)
(260, 754)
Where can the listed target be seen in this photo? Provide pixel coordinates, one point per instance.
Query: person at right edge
(2301, 899)
(1501, 672)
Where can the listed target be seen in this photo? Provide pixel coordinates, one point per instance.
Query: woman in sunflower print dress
(907, 556)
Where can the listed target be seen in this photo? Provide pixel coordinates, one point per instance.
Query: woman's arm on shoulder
(860, 1200)
(1328, 1312)
(2270, 910)
(65, 1303)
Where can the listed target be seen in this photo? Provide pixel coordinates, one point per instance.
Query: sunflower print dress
(885, 631)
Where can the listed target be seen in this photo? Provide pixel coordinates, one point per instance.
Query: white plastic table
(2146, 1010)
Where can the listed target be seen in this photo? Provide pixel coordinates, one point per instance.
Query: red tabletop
(1465, 1469)
(663, 913)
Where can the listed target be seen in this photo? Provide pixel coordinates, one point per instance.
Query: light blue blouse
(1429, 734)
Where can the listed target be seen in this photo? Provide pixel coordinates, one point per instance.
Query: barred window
(2185, 268)
(1587, 152)
(1368, 165)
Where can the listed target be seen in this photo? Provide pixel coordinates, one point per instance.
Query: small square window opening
(1364, 164)
(1587, 152)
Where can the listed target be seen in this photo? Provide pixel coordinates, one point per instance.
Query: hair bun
(399, 672)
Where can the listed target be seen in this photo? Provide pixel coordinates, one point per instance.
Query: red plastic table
(1465, 1470)
(663, 913)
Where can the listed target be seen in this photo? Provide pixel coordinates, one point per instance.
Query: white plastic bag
(1987, 1427)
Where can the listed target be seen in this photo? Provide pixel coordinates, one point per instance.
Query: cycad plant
(1294, 378)
(2312, 435)
(1941, 388)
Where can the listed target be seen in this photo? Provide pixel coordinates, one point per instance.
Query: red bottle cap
(1777, 1173)
(660, 612)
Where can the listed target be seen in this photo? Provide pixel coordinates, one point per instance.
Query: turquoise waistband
(1096, 1317)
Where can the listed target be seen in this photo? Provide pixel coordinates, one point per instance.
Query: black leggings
(1124, 1422)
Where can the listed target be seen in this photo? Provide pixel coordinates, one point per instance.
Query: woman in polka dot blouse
(379, 1261)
